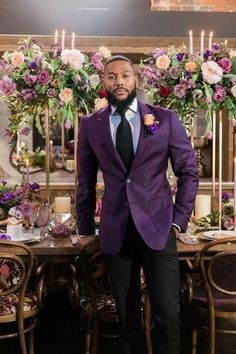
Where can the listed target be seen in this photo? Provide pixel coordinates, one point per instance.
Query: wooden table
(63, 252)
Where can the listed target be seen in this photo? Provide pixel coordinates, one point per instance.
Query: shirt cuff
(176, 226)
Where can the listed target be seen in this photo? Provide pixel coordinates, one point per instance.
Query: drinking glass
(32, 216)
(42, 218)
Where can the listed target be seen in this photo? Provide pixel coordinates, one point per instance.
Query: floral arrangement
(212, 220)
(30, 79)
(183, 82)
(16, 200)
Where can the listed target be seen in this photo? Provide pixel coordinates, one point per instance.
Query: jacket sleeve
(185, 168)
(87, 180)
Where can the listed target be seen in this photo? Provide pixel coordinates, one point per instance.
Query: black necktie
(124, 143)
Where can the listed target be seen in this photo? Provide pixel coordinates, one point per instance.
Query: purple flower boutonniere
(151, 125)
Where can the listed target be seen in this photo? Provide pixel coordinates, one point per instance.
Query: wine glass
(32, 216)
(42, 218)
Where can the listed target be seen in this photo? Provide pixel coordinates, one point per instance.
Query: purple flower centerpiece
(30, 79)
(176, 79)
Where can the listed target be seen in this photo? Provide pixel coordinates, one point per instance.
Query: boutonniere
(151, 125)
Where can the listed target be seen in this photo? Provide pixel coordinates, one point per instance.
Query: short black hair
(117, 58)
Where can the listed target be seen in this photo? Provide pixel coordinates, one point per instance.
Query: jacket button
(126, 203)
(128, 180)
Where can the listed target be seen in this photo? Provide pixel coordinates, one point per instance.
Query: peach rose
(66, 95)
(100, 103)
(163, 62)
(191, 66)
(149, 119)
(17, 58)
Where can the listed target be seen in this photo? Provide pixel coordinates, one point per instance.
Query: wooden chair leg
(21, 335)
(88, 338)
(31, 341)
(194, 340)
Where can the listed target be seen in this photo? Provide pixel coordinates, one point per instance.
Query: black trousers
(161, 270)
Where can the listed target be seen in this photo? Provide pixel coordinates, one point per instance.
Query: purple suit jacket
(145, 190)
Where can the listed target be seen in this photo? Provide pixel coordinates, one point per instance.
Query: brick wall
(194, 5)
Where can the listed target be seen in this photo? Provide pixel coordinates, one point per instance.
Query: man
(139, 222)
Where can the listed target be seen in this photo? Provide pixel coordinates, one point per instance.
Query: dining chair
(98, 311)
(18, 305)
(213, 295)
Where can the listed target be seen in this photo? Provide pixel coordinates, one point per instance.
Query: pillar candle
(191, 42)
(73, 40)
(15, 231)
(202, 206)
(62, 205)
(210, 41)
(63, 40)
(55, 43)
(202, 45)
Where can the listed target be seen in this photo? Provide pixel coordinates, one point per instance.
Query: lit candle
(63, 40)
(202, 206)
(27, 170)
(73, 40)
(226, 43)
(55, 43)
(210, 41)
(202, 45)
(51, 152)
(191, 42)
(62, 204)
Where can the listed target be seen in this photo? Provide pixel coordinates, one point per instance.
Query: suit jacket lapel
(104, 131)
(143, 140)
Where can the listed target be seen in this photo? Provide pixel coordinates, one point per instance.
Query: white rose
(163, 62)
(233, 91)
(94, 80)
(65, 56)
(212, 73)
(76, 59)
(105, 52)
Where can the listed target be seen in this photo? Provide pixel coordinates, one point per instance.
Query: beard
(121, 104)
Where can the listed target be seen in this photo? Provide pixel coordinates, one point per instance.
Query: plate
(27, 238)
(216, 235)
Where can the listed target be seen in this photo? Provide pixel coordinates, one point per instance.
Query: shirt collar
(133, 107)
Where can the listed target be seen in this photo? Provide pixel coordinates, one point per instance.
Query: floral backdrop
(31, 78)
(176, 79)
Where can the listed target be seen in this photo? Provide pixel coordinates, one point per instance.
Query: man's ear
(136, 81)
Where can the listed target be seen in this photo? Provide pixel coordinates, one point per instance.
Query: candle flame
(202, 33)
(211, 34)
(27, 162)
(190, 32)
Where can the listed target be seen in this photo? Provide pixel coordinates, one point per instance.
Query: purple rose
(27, 94)
(52, 92)
(43, 77)
(60, 230)
(225, 197)
(174, 72)
(33, 65)
(25, 208)
(226, 64)
(7, 86)
(180, 90)
(35, 186)
(158, 52)
(216, 46)
(228, 223)
(208, 54)
(153, 128)
(7, 197)
(180, 56)
(220, 94)
(30, 79)
(96, 60)
(25, 131)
